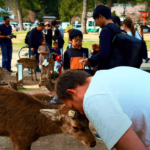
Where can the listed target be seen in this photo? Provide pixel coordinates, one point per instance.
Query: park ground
(58, 141)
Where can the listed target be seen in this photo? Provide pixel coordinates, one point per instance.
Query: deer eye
(76, 128)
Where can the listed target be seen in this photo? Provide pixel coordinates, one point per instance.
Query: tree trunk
(19, 15)
(84, 17)
(110, 4)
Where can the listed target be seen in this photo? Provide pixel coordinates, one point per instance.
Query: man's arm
(130, 141)
(105, 46)
(111, 123)
(31, 36)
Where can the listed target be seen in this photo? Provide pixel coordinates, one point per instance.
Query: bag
(126, 51)
(27, 37)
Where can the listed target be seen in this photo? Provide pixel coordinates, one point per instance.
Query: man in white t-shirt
(116, 101)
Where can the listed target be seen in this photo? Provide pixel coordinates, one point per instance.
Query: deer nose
(93, 144)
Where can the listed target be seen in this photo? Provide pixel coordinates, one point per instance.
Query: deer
(25, 119)
(47, 68)
(29, 63)
(45, 98)
(49, 83)
(3, 72)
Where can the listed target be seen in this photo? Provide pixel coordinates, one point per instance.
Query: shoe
(38, 70)
(29, 71)
(11, 71)
(146, 60)
(98, 137)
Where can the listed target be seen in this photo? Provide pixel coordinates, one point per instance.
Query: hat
(58, 57)
(69, 27)
(46, 23)
(41, 24)
(45, 63)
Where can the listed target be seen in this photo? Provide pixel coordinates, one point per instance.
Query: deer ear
(53, 114)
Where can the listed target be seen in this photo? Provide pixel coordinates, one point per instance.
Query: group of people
(115, 100)
(40, 43)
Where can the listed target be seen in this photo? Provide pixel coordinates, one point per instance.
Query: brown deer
(29, 63)
(3, 72)
(22, 119)
(48, 83)
(45, 98)
(48, 68)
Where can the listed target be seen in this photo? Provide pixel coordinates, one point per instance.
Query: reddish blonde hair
(129, 23)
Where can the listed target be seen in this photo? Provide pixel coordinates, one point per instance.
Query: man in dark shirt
(34, 41)
(6, 44)
(102, 16)
(48, 37)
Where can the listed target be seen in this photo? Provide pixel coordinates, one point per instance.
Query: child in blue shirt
(55, 51)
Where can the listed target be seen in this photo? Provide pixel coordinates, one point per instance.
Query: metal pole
(94, 20)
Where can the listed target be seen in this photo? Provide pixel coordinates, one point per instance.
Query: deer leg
(35, 75)
(19, 147)
(31, 74)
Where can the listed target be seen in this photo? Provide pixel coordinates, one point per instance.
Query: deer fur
(3, 72)
(48, 68)
(45, 98)
(48, 83)
(29, 63)
(24, 119)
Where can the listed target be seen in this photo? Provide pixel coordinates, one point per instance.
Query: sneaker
(29, 71)
(146, 60)
(98, 137)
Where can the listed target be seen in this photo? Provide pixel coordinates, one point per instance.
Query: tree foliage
(70, 8)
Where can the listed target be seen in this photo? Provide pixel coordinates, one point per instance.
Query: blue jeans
(50, 47)
(34, 53)
(6, 55)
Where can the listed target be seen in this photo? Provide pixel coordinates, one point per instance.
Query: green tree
(3, 6)
(69, 9)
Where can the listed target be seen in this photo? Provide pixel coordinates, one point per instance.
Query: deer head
(73, 123)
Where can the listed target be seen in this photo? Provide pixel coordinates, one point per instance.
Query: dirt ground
(66, 142)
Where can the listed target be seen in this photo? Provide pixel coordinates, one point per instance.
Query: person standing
(48, 37)
(34, 41)
(6, 43)
(56, 25)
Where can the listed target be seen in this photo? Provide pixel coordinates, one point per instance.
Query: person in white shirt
(116, 102)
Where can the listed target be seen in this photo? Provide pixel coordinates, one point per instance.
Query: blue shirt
(57, 51)
(5, 31)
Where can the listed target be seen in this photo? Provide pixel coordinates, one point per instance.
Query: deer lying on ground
(29, 63)
(3, 72)
(48, 83)
(45, 98)
(24, 119)
(48, 68)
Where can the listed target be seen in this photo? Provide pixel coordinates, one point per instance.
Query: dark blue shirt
(57, 51)
(5, 31)
(106, 37)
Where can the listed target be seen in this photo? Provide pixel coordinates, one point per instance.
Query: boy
(73, 55)
(102, 16)
(55, 51)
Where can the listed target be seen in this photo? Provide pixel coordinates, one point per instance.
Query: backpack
(126, 51)
(27, 37)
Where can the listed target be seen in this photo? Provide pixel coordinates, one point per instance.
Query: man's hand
(95, 47)
(85, 62)
(8, 37)
(32, 49)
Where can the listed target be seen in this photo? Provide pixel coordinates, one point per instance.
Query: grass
(20, 41)
(23, 89)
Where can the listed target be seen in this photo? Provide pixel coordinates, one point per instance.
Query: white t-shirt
(115, 100)
(137, 35)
